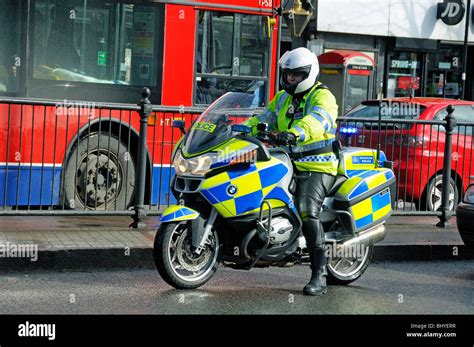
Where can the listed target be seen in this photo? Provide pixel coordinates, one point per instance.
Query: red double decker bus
(71, 72)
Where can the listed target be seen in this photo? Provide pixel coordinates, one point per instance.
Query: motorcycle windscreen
(213, 126)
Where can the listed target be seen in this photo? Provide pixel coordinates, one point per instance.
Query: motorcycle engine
(281, 229)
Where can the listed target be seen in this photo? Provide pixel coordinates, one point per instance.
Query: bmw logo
(231, 190)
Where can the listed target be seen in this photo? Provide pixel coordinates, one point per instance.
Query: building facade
(410, 40)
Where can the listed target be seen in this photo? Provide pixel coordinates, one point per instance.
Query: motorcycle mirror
(178, 123)
(262, 126)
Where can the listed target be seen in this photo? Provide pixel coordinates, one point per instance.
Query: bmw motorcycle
(236, 203)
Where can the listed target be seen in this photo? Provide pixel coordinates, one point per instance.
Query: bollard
(445, 210)
(140, 179)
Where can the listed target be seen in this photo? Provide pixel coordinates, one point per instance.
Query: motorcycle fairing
(177, 213)
(240, 191)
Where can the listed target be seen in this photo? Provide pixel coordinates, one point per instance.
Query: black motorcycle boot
(314, 233)
(317, 284)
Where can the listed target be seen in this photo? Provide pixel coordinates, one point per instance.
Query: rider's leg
(310, 194)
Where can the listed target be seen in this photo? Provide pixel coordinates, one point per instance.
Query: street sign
(102, 58)
(451, 12)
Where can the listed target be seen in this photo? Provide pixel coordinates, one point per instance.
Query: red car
(417, 150)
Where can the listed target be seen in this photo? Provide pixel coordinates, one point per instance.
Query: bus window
(96, 42)
(232, 55)
(10, 29)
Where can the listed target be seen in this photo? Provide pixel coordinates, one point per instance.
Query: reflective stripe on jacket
(314, 128)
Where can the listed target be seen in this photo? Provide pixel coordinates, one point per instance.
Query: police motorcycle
(236, 204)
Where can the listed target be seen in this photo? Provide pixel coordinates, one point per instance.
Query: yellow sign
(205, 126)
(330, 71)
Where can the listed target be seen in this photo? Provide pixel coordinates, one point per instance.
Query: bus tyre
(99, 174)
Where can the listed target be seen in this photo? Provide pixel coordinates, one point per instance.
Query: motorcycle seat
(340, 179)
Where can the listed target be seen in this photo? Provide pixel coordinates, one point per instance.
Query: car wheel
(432, 198)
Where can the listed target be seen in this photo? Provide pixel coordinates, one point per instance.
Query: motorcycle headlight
(197, 166)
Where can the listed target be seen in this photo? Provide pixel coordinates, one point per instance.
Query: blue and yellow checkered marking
(236, 173)
(253, 185)
(363, 182)
(279, 194)
(389, 175)
(360, 189)
(178, 213)
(352, 173)
(372, 209)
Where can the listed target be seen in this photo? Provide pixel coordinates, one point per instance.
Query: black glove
(286, 138)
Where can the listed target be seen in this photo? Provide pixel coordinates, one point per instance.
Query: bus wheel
(99, 174)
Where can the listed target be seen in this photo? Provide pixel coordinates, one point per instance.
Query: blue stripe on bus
(42, 190)
(161, 193)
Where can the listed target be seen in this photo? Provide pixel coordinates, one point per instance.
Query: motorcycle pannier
(369, 197)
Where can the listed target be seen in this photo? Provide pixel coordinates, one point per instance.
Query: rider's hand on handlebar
(285, 138)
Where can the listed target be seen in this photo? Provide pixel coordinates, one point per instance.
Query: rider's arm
(321, 118)
(268, 116)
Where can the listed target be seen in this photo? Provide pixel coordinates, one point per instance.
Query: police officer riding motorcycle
(243, 200)
(304, 113)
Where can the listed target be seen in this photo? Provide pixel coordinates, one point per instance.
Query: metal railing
(94, 158)
(433, 159)
(72, 157)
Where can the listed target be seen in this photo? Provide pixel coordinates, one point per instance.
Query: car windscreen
(388, 110)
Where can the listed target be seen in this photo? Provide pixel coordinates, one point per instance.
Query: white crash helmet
(299, 60)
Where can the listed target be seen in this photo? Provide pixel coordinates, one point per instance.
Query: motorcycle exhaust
(366, 238)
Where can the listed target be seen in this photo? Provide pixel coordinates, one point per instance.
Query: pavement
(84, 242)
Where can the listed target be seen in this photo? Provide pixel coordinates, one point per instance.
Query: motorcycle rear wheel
(175, 261)
(345, 270)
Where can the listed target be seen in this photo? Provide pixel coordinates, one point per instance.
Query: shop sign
(446, 66)
(359, 67)
(451, 12)
(331, 72)
(404, 64)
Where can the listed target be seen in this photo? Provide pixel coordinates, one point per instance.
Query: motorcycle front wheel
(175, 261)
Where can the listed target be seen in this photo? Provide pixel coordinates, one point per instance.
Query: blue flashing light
(349, 130)
(241, 128)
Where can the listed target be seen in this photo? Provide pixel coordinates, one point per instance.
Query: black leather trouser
(310, 194)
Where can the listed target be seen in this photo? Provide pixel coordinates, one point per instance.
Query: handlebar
(272, 138)
(269, 137)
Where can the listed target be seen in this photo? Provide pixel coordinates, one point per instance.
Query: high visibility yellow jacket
(313, 124)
